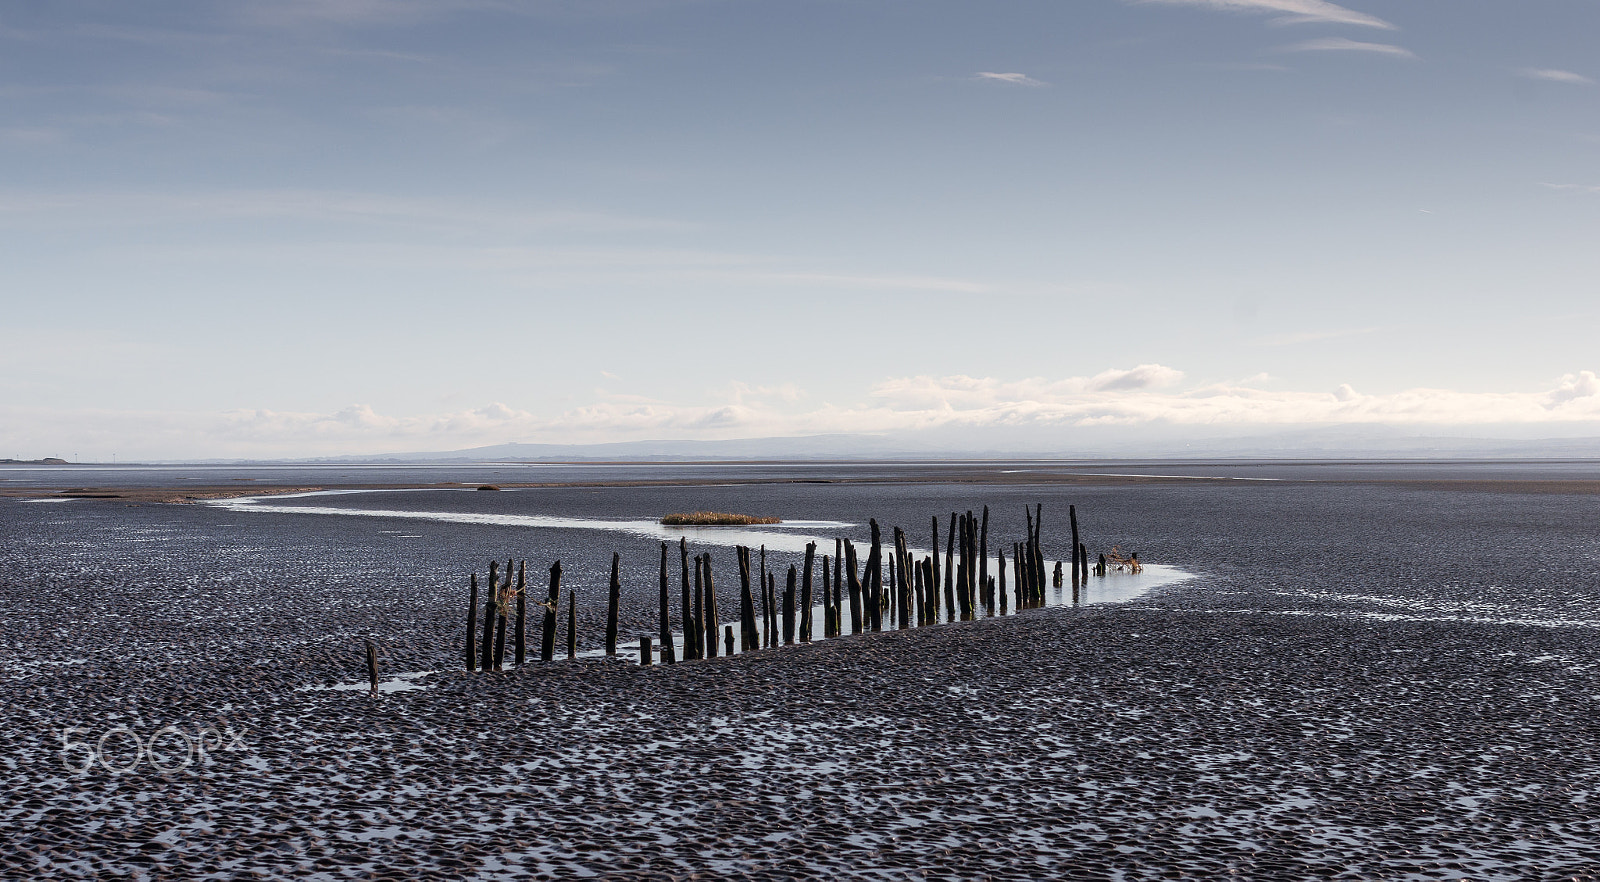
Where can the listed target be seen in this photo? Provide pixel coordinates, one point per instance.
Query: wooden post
(788, 607)
(668, 653)
(614, 600)
(646, 655)
(1100, 568)
(903, 580)
(472, 625)
(775, 611)
(1038, 547)
(920, 571)
(764, 583)
(935, 547)
(983, 563)
(949, 571)
(805, 593)
(486, 645)
(372, 666)
(829, 615)
(748, 639)
(520, 638)
(547, 646)
(1000, 556)
(500, 621)
(1080, 566)
(691, 642)
(711, 620)
(1056, 580)
(878, 590)
(727, 640)
(695, 643)
(572, 618)
(856, 621)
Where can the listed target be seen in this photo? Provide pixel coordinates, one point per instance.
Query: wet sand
(1393, 688)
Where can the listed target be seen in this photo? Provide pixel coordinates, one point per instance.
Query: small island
(715, 519)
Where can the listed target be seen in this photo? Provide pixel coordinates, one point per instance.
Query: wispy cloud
(1554, 76)
(1340, 44)
(1574, 188)
(1288, 11)
(1015, 79)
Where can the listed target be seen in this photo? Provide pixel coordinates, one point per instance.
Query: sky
(313, 227)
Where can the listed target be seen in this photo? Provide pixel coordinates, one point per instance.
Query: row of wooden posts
(909, 596)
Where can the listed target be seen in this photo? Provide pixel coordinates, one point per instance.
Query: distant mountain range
(1339, 442)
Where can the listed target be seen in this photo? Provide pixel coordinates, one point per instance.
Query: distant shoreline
(946, 474)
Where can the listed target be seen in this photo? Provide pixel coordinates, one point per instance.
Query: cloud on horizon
(1288, 11)
(1143, 397)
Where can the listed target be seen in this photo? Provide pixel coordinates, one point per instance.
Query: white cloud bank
(1143, 397)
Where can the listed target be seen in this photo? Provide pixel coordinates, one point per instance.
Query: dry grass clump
(715, 519)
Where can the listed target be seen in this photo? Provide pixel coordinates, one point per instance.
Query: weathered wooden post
(572, 619)
(372, 666)
(646, 655)
(1100, 568)
(949, 570)
(1056, 579)
(903, 579)
(1000, 555)
(1079, 567)
(829, 614)
(522, 615)
(775, 612)
(1038, 546)
(711, 619)
(668, 653)
(691, 642)
(983, 563)
(857, 623)
(964, 568)
(472, 625)
(500, 621)
(919, 585)
(788, 607)
(805, 593)
(700, 613)
(727, 640)
(768, 608)
(748, 639)
(486, 646)
(874, 577)
(613, 602)
(547, 645)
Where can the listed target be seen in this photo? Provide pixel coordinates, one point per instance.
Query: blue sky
(298, 228)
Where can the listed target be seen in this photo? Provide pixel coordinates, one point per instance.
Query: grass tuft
(715, 519)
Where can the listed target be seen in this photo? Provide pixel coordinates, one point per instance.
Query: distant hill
(1334, 442)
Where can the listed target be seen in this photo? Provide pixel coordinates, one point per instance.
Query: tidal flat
(1365, 670)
